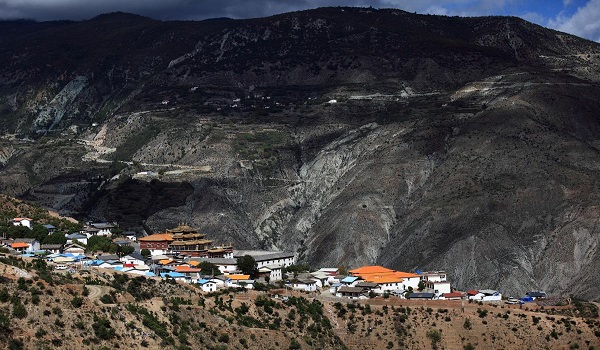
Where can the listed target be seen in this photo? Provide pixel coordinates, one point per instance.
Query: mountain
(348, 135)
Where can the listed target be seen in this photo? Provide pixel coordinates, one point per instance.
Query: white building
(210, 285)
(264, 258)
(133, 258)
(307, 285)
(439, 287)
(27, 222)
(273, 271)
(103, 228)
(436, 281)
(81, 238)
(226, 266)
(484, 295)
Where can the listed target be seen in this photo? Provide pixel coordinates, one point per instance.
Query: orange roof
(19, 245)
(370, 270)
(383, 279)
(159, 237)
(21, 219)
(184, 268)
(239, 277)
(165, 261)
(194, 263)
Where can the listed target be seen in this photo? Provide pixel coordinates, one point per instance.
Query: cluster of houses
(178, 253)
(187, 269)
(75, 242)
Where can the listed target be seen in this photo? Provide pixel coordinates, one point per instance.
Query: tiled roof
(216, 261)
(370, 270)
(421, 296)
(19, 245)
(346, 289)
(159, 237)
(453, 295)
(239, 277)
(188, 269)
(366, 285)
(263, 256)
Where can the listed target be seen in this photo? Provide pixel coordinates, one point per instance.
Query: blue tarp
(171, 274)
(527, 299)
(349, 279)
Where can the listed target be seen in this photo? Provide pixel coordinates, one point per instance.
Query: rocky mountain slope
(351, 136)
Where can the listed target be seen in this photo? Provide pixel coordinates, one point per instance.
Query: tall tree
(247, 265)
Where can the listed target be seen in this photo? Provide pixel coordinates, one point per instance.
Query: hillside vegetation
(92, 310)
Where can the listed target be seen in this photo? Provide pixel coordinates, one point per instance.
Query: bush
(107, 299)
(224, 338)
(435, 336)
(76, 301)
(103, 329)
(467, 324)
(19, 310)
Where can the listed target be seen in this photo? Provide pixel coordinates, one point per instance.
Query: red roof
(453, 295)
(183, 269)
(472, 292)
(19, 245)
(21, 219)
(128, 265)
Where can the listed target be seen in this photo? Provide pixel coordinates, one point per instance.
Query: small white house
(81, 238)
(273, 271)
(439, 287)
(225, 265)
(484, 295)
(350, 281)
(27, 222)
(133, 258)
(104, 228)
(307, 285)
(210, 285)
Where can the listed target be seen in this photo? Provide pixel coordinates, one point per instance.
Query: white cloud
(534, 17)
(585, 22)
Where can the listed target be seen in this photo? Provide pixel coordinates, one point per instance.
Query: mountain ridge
(350, 136)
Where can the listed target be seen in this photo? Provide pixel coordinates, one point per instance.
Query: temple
(187, 241)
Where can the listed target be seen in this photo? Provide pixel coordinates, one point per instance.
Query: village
(185, 255)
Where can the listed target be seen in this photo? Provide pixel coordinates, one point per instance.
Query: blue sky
(579, 17)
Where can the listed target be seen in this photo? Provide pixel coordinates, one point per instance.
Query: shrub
(103, 329)
(467, 324)
(19, 310)
(76, 301)
(435, 336)
(224, 338)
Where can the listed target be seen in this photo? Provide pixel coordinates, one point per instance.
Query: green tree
(435, 336)
(146, 253)
(247, 265)
(209, 268)
(100, 243)
(103, 329)
(55, 238)
(19, 310)
(126, 249)
(421, 285)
